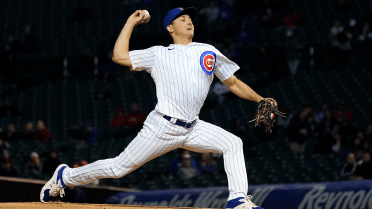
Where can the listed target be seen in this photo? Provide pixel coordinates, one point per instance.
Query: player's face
(183, 26)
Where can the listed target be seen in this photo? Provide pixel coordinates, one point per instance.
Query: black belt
(181, 123)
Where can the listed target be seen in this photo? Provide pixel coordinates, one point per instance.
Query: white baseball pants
(159, 136)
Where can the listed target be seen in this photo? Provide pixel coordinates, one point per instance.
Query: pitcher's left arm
(241, 89)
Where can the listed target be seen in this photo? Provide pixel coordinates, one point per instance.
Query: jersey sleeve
(143, 59)
(224, 68)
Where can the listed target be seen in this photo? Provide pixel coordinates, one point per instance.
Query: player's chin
(190, 32)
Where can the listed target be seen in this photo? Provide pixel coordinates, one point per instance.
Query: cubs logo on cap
(207, 62)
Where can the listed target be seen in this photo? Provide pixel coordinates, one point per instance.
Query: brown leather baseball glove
(267, 108)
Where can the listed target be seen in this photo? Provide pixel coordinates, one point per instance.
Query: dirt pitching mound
(24, 205)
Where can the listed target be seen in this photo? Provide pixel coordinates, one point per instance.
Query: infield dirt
(26, 205)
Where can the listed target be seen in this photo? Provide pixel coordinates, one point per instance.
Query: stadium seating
(63, 101)
(52, 24)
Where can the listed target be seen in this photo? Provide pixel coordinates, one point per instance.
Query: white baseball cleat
(242, 203)
(54, 186)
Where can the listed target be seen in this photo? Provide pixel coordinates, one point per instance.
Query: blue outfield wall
(334, 195)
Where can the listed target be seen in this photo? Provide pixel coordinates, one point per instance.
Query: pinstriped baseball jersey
(183, 75)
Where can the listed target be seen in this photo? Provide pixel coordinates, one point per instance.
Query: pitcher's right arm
(121, 48)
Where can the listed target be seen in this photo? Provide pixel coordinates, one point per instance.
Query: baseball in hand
(147, 15)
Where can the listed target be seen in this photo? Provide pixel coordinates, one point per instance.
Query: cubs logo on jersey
(207, 61)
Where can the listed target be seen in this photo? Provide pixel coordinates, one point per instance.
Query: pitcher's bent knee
(235, 144)
(238, 142)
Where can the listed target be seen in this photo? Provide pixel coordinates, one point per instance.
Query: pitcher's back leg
(143, 148)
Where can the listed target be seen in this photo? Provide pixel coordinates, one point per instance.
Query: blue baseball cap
(176, 12)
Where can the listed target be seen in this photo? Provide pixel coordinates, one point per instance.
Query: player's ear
(170, 29)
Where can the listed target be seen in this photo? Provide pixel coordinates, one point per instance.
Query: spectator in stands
(51, 163)
(340, 45)
(74, 195)
(336, 146)
(211, 12)
(368, 133)
(343, 113)
(103, 93)
(325, 134)
(294, 52)
(350, 166)
(90, 133)
(177, 162)
(292, 18)
(364, 170)
(320, 115)
(12, 134)
(75, 133)
(186, 171)
(119, 120)
(34, 165)
(82, 13)
(207, 163)
(4, 146)
(357, 146)
(366, 146)
(336, 29)
(365, 31)
(311, 119)
(29, 132)
(42, 134)
(10, 109)
(135, 118)
(299, 130)
(7, 167)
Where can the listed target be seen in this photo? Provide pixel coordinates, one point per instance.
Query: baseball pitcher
(183, 73)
